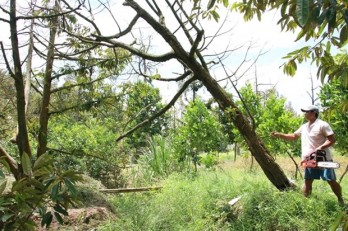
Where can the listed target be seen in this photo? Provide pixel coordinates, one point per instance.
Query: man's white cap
(310, 108)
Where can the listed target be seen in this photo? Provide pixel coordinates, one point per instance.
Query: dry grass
(285, 162)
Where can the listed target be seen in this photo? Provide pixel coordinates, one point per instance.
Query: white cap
(310, 108)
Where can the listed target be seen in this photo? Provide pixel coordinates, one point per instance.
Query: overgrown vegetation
(200, 202)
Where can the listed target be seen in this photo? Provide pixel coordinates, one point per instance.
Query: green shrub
(42, 189)
(209, 160)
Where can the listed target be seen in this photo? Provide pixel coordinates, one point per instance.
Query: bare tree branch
(122, 33)
(163, 31)
(83, 16)
(50, 16)
(199, 36)
(161, 112)
(156, 58)
(78, 152)
(196, 43)
(136, 115)
(11, 162)
(4, 20)
(78, 84)
(79, 105)
(6, 11)
(242, 100)
(180, 78)
(6, 61)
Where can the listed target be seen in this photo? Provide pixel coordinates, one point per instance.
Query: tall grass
(158, 162)
(200, 202)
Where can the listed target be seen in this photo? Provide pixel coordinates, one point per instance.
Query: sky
(269, 67)
(264, 35)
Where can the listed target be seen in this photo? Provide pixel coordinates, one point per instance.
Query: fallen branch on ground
(127, 190)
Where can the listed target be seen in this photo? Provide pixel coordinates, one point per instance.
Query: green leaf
(18, 185)
(26, 164)
(29, 225)
(47, 219)
(322, 17)
(323, 74)
(71, 18)
(70, 186)
(5, 217)
(43, 160)
(331, 18)
(283, 9)
(41, 172)
(2, 175)
(315, 14)
(211, 3)
(5, 164)
(344, 34)
(225, 3)
(73, 175)
(345, 15)
(61, 210)
(302, 11)
(300, 35)
(216, 16)
(3, 186)
(58, 218)
(290, 68)
(156, 76)
(37, 184)
(55, 191)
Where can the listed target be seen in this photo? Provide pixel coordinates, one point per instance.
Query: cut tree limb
(127, 190)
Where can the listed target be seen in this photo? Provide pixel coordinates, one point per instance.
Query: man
(316, 135)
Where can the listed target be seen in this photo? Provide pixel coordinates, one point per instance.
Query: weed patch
(200, 202)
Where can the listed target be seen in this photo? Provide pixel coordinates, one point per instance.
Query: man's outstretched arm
(289, 137)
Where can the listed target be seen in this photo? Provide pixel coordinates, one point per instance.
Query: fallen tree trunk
(256, 147)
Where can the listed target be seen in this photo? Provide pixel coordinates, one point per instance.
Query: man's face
(310, 115)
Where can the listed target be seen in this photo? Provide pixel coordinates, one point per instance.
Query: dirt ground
(80, 219)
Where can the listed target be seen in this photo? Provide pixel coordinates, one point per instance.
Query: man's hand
(288, 137)
(320, 148)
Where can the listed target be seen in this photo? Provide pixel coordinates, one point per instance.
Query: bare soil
(80, 219)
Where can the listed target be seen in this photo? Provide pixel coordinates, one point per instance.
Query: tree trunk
(272, 170)
(46, 96)
(22, 139)
(29, 62)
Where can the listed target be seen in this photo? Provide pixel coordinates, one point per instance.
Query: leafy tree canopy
(140, 101)
(334, 98)
(268, 114)
(200, 132)
(7, 106)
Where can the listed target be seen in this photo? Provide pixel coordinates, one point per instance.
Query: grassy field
(200, 201)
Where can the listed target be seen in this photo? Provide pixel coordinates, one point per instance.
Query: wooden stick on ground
(127, 190)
